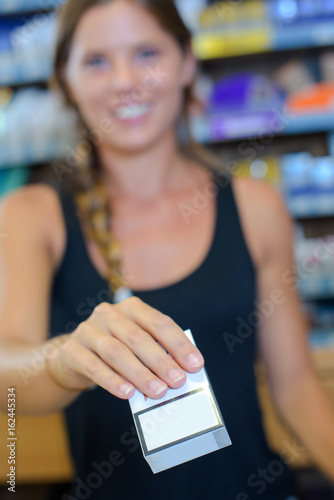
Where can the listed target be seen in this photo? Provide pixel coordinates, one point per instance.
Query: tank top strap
(70, 215)
(229, 234)
(75, 243)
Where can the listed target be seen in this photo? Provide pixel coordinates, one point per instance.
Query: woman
(197, 250)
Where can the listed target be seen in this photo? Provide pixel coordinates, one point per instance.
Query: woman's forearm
(309, 410)
(23, 366)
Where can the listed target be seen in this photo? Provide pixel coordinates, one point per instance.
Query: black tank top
(216, 302)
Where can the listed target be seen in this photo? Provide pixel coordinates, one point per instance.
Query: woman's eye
(96, 62)
(148, 53)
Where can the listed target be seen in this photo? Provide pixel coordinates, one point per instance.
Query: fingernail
(126, 389)
(176, 375)
(194, 360)
(157, 387)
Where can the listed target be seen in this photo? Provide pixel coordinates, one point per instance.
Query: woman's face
(126, 75)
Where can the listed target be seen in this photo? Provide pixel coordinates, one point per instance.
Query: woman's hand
(117, 348)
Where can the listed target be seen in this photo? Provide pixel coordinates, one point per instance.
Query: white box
(185, 424)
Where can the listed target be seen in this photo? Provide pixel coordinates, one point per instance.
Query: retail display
(37, 137)
(267, 86)
(26, 48)
(232, 28)
(284, 92)
(290, 95)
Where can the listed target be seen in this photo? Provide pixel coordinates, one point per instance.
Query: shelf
(311, 206)
(214, 44)
(313, 287)
(321, 338)
(305, 35)
(17, 69)
(239, 40)
(28, 154)
(17, 6)
(309, 122)
(243, 125)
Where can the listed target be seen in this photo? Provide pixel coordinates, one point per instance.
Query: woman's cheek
(173, 99)
(91, 111)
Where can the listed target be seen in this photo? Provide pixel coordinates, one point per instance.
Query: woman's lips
(134, 113)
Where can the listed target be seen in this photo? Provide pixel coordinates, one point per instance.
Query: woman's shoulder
(30, 195)
(257, 192)
(36, 209)
(264, 217)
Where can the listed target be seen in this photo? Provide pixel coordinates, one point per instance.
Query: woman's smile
(133, 114)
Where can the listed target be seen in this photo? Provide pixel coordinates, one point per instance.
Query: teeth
(133, 111)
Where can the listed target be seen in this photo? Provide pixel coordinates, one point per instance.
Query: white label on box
(165, 425)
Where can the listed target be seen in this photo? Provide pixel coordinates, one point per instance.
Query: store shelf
(307, 123)
(30, 154)
(240, 125)
(311, 206)
(321, 338)
(240, 40)
(16, 6)
(313, 287)
(235, 41)
(302, 36)
(20, 68)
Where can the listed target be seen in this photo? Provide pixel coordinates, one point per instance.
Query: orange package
(317, 98)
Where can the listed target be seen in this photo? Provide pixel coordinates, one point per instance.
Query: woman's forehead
(119, 22)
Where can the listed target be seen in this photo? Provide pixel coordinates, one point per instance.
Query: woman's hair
(85, 179)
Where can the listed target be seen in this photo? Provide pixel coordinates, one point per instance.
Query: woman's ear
(189, 67)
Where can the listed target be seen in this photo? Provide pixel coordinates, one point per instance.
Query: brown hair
(89, 194)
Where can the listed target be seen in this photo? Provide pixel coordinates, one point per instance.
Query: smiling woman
(131, 80)
(127, 68)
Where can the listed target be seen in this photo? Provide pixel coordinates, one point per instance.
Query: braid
(92, 203)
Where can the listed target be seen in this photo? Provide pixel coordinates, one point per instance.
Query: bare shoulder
(266, 223)
(35, 209)
(258, 194)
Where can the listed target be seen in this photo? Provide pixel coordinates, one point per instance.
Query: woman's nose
(124, 77)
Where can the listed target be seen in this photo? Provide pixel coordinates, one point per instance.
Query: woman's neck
(146, 175)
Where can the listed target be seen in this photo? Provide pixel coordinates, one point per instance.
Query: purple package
(245, 92)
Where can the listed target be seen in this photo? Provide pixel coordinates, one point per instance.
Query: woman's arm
(296, 389)
(26, 269)
(116, 348)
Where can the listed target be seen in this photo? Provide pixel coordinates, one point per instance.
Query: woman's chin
(133, 145)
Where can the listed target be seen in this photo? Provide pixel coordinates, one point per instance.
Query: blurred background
(266, 79)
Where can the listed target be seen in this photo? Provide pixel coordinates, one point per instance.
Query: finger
(86, 363)
(146, 349)
(165, 331)
(122, 360)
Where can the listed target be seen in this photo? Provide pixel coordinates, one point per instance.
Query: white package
(185, 424)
